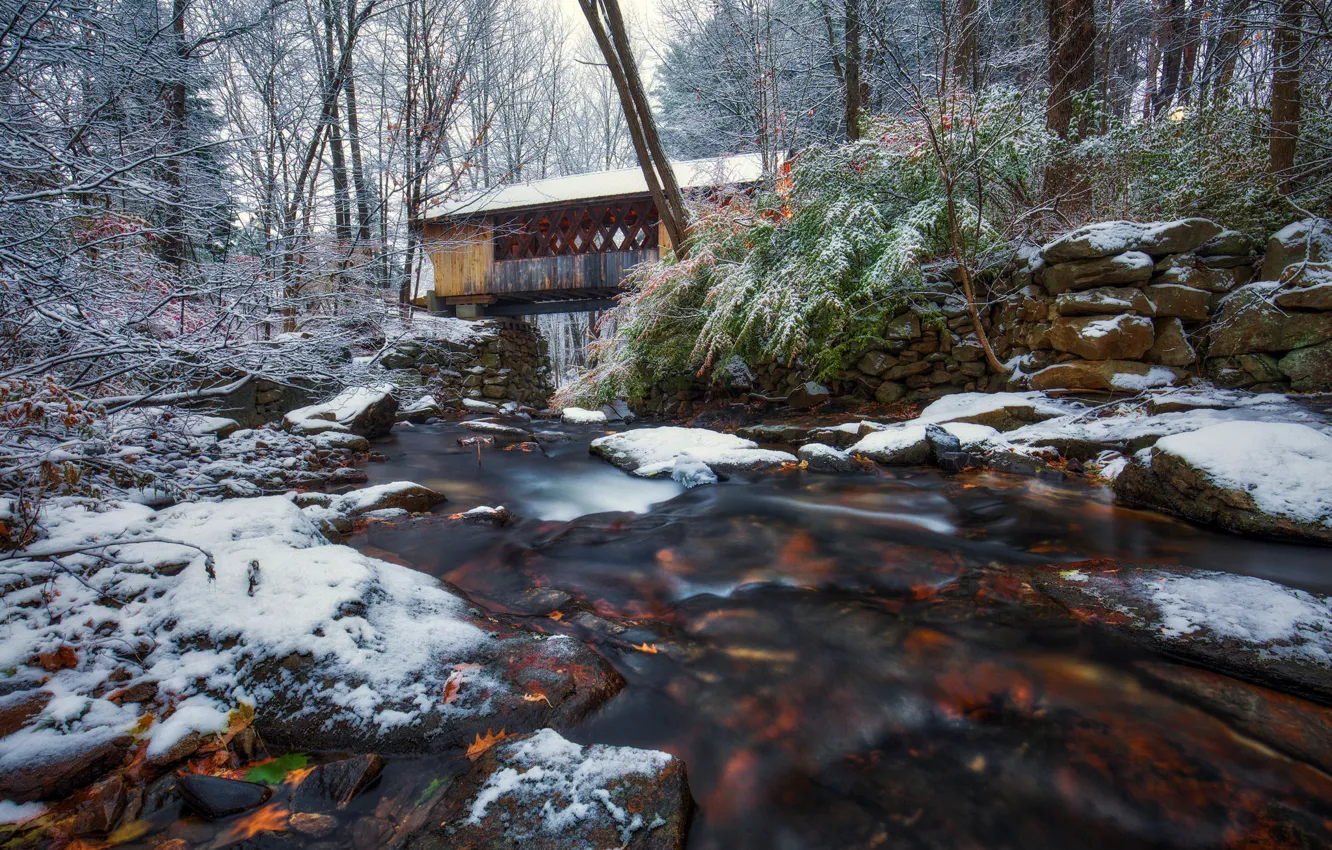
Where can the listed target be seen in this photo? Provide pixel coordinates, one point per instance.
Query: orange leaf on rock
(650, 648)
(480, 745)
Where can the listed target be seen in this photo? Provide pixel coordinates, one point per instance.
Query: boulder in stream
(652, 452)
(1264, 478)
(364, 411)
(542, 792)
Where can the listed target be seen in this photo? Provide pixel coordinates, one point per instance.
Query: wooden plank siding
(462, 254)
(531, 277)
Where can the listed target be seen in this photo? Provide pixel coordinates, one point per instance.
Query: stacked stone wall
(1112, 307)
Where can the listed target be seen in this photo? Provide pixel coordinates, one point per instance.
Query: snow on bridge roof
(691, 174)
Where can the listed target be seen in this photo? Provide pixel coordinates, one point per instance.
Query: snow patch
(1242, 608)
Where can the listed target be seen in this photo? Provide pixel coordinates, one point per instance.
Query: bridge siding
(463, 256)
(570, 271)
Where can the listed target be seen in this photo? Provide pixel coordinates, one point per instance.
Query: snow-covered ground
(118, 598)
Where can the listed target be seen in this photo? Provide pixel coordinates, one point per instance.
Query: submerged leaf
(273, 772)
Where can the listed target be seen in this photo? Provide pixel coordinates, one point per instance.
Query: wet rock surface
(214, 797)
(1242, 626)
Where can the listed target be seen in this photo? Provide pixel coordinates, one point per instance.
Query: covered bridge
(558, 245)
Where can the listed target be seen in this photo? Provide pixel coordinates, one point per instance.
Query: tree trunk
(337, 155)
(1192, 35)
(1072, 56)
(1219, 68)
(851, 70)
(966, 56)
(1072, 62)
(363, 194)
(174, 243)
(1171, 36)
(1153, 69)
(614, 45)
(1285, 93)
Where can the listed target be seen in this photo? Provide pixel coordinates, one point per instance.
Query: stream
(840, 661)
(848, 661)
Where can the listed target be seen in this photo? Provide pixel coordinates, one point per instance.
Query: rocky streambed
(836, 630)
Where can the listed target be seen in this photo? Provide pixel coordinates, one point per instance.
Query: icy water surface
(854, 661)
(844, 661)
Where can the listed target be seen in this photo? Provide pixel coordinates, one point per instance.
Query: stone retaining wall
(1119, 306)
(511, 363)
(1113, 306)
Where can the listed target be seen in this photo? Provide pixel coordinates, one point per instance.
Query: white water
(568, 335)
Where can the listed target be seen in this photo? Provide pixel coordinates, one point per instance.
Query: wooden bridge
(559, 245)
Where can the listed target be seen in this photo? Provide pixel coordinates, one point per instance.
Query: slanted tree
(608, 28)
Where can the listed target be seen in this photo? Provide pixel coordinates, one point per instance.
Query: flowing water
(853, 661)
(845, 661)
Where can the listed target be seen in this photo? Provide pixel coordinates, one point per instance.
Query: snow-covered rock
(1131, 425)
(1110, 375)
(420, 410)
(365, 411)
(1308, 240)
(485, 426)
(1002, 411)
(336, 650)
(908, 444)
(582, 416)
(824, 458)
(1105, 238)
(1265, 478)
(543, 792)
(399, 495)
(1255, 628)
(652, 452)
(476, 405)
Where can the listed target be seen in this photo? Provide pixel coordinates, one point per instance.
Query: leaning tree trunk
(613, 41)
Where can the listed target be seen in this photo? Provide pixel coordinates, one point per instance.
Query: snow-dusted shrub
(811, 266)
(1209, 162)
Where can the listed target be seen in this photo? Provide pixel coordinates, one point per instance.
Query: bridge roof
(690, 174)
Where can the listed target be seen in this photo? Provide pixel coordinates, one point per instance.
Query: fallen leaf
(130, 831)
(557, 615)
(452, 685)
(273, 772)
(480, 745)
(538, 698)
(650, 648)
